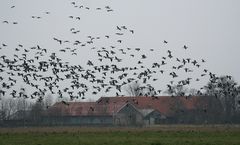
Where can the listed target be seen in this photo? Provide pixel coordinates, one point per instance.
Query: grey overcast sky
(210, 28)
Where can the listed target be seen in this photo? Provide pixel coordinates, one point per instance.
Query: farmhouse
(119, 111)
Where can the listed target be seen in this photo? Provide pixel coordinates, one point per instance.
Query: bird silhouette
(65, 103)
(106, 70)
(185, 47)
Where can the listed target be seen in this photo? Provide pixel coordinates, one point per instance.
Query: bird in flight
(118, 28)
(185, 47)
(5, 22)
(132, 31)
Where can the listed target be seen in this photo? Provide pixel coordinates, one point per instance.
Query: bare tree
(37, 112)
(176, 90)
(48, 101)
(134, 89)
(8, 107)
(3, 111)
(65, 99)
(226, 89)
(193, 92)
(209, 109)
(23, 107)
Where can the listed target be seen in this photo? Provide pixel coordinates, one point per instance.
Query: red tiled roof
(164, 104)
(110, 105)
(72, 108)
(84, 109)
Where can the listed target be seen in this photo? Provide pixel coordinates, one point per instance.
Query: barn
(116, 111)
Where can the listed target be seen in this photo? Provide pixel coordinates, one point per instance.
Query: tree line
(217, 102)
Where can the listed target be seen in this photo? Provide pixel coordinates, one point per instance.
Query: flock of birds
(44, 71)
(81, 6)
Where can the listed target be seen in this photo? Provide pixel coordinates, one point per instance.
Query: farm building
(119, 111)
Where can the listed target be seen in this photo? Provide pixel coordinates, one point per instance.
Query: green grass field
(160, 135)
